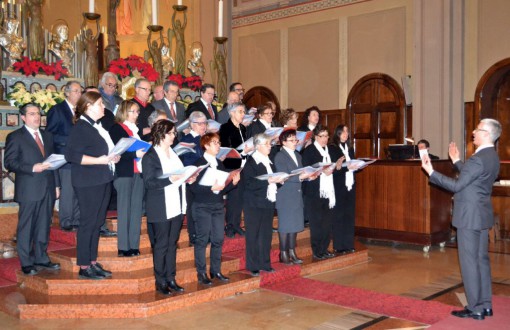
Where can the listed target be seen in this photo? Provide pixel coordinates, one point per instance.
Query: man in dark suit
(204, 105)
(174, 110)
(111, 99)
(142, 95)
(35, 189)
(473, 215)
(424, 144)
(60, 122)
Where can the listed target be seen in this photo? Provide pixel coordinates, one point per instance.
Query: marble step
(122, 282)
(35, 305)
(112, 224)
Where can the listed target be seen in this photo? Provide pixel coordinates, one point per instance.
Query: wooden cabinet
(394, 201)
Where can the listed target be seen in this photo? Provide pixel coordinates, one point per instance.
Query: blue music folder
(139, 145)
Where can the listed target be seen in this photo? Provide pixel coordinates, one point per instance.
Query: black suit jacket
(21, 153)
(143, 119)
(59, 123)
(230, 137)
(180, 112)
(125, 167)
(255, 190)
(311, 156)
(204, 194)
(199, 106)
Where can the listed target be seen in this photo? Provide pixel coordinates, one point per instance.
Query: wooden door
(259, 95)
(376, 107)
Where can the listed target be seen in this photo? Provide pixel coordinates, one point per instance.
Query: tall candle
(220, 18)
(91, 6)
(154, 12)
(179, 2)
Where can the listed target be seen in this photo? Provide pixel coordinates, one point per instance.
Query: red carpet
(500, 320)
(428, 312)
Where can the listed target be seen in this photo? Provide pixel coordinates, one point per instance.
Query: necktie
(172, 111)
(39, 142)
(211, 113)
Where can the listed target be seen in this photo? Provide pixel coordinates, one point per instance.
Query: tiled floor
(399, 270)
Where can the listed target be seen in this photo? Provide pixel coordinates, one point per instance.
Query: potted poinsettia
(30, 67)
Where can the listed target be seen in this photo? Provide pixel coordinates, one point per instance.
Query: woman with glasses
(319, 195)
(128, 182)
(165, 203)
(208, 211)
(259, 200)
(289, 200)
(264, 121)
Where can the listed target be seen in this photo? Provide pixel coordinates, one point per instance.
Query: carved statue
(60, 46)
(219, 71)
(91, 65)
(195, 64)
(167, 60)
(180, 45)
(35, 30)
(155, 51)
(11, 42)
(112, 50)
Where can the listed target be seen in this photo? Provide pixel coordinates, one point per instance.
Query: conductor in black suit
(35, 189)
(473, 214)
(205, 103)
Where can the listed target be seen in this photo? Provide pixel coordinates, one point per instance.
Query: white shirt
(292, 154)
(173, 204)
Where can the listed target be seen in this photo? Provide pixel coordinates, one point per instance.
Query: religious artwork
(60, 46)
(11, 42)
(195, 64)
(219, 70)
(44, 121)
(91, 64)
(12, 119)
(155, 53)
(180, 44)
(35, 30)
(112, 50)
(125, 18)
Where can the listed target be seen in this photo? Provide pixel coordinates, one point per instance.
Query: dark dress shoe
(220, 277)
(174, 286)
(67, 228)
(239, 231)
(100, 270)
(163, 289)
(487, 312)
(90, 274)
(230, 233)
(467, 313)
(255, 273)
(107, 233)
(341, 251)
(124, 253)
(319, 256)
(134, 252)
(49, 265)
(203, 279)
(294, 258)
(269, 270)
(328, 254)
(284, 258)
(29, 270)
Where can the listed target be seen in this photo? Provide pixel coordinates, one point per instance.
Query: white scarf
(327, 188)
(172, 198)
(349, 176)
(271, 189)
(134, 129)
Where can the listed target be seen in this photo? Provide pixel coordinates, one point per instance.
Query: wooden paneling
(395, 202)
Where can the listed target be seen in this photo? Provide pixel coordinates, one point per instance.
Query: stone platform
(130, 292)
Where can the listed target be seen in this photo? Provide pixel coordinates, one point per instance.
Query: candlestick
(179, 2)
(91, 6)
(220, 18)
(154, 12)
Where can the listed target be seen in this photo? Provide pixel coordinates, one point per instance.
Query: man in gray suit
(175, 111)
(473, 215)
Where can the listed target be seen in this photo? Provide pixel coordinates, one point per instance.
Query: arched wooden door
(492, 100)
(259, 95)
(376, 109)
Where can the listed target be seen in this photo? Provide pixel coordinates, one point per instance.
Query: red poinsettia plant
(124, 67)
(32, 67)
(193, 82)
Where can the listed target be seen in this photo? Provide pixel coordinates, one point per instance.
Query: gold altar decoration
(155, 51)
(89, 43)
(195, 64)
(11, 42)
(180, 44)
(219, 68)
(35, 29)
(59, 44)
(112, 50)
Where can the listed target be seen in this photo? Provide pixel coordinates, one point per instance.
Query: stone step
(112, 224)
(121, 283)
(35, 305)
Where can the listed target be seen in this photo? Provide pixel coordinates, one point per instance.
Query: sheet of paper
(56, 161)
(184, 147)
(122, 146)
(213, 176)
(228, 153)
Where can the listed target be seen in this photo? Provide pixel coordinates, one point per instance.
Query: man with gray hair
(108, 89)
(59, 123)
(142, 95)
(174, 110)
(473, 214)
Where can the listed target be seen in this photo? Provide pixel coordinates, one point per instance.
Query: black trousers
(258, 223)
(93, 202)
(166, 235)
(33, 231)
(209, 227)
(234, 208)
(320, 223)
(344, 219)
(190, 222)
(68, 209)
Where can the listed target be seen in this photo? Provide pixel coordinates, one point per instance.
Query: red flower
(124, 67)
(29, 67)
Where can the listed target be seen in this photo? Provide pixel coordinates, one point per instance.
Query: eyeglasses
(241, 111)
(268, 114)
(134, 111)
(112, 85)
(199, 122)
(239, 89)
(76, 91)
(145, 89)
(216, 142)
